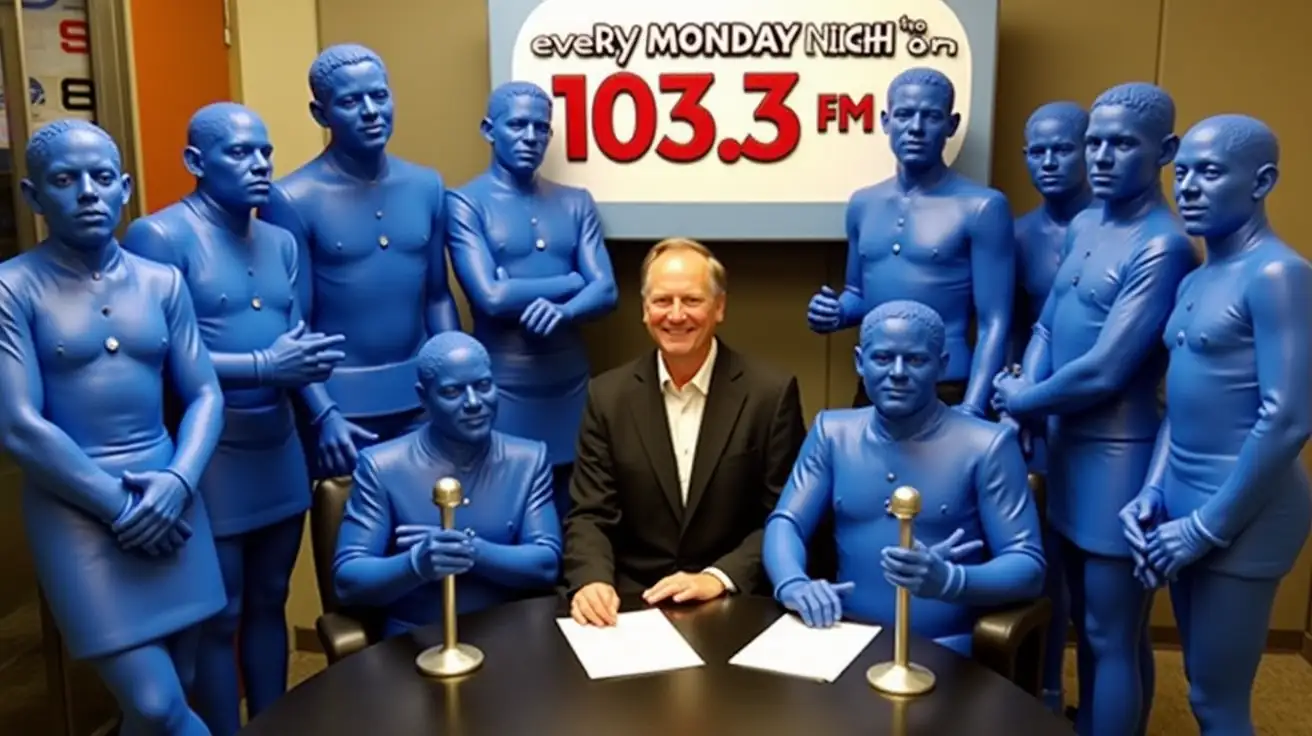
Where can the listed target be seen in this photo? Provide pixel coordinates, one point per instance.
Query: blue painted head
(900, 357)
(1129, 139)
(229, 153)
(352, 98)
(518, 125)
(1226, 167)
(919, 119)
(76, 182)
(456, 387)
(1054, 149)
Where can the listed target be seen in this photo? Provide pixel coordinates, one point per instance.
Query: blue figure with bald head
(978, 542)
(530, 257)
(1054, 155)
(392, 552)
(92, 341)
(931, 235)
(241, 274)
(1091, 373)
(371, 234)
(1226, 506)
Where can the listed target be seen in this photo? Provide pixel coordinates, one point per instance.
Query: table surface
(531, 683)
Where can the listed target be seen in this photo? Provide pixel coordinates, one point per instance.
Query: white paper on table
(790, 647)
(641, 642)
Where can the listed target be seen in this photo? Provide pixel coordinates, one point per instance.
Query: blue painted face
(462, 399)
(899, 368)
(919, 120)
(1054, 154)
(1121, 154)
(359, 113)
(1216, 190)
(236, 167)
(519, 135)
(81, 191)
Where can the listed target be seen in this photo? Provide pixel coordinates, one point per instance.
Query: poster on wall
(738, 119)
(57, 51)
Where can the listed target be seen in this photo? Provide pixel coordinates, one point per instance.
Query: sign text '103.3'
(774, 108)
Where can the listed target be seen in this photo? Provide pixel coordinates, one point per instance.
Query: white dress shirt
(684, 408)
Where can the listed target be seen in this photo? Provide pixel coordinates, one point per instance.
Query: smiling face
(78, 188)
(358, 109)
(681, 306)
(899, 366)
(1224, 170)
(460, 395)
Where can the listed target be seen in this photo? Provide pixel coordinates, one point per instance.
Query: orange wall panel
(181, 64)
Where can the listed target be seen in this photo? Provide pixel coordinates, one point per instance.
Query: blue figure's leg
(1223, 624)
(147, 688)
(216, 694)
(1114, 606)
(560, 475)
(1147, 670)
(1055, 650)
(183, 648)
(1074, 576)
(270, 556)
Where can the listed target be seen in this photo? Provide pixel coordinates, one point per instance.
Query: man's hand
(597, 604)
(682, 587)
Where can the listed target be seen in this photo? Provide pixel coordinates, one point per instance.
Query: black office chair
(342, 630)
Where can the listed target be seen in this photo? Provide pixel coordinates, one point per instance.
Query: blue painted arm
(993, 275)
(592, 262)
(476, 269)
(45, 452)
(363, 573)
(852, 301)
(195, 383)
(1156, 477)
(1036, 365)
(281, 211)
(1279, 300)
(440, 312)
(1010, 522)
(802, 503)
(314, 395)
(533, 562)
(1132, 329)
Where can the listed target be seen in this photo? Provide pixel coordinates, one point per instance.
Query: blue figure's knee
(1115, 607)
(158, 710)
(223, 625)
(147, 690)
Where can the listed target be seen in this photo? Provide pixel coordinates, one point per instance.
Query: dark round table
(531, 684)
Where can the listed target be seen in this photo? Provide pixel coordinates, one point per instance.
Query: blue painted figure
(371, 230)
(933, 236)
(1092, 370)
(392, 552)
(970, 474)
(1054, 154)
(241, 274)
(1226, 507)
(92, 340)
(530, 257)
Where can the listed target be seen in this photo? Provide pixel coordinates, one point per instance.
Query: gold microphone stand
(450, 659)
(902, 677)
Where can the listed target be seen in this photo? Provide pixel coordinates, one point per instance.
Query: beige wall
(1213, 56)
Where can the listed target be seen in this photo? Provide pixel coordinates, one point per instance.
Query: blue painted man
(970, 474)
(371, 234)
(1054, 155)
(1091, 371)
(392, 552)
(931, 235)
(241, 274)
(530, 257)
(1226, 507)
(92, 340)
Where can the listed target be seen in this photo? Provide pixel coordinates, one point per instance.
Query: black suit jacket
(628, 525)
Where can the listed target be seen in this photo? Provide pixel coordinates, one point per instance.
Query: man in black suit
(682, 453)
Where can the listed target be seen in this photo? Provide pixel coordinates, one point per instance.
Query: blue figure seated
(392, 552)
(978, 542)
(530, 257)
(371, 231)
(1091, 372)
(241, 274)
(92, 341)
(1226, 507)
(931, 235)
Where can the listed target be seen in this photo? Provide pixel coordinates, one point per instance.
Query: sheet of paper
(790, 647)
(641, 643)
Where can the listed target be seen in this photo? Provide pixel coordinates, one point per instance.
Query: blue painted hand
(298, 358)
(928, 572)
(542, 317)
(436, 553)
(825, 313)
(818, 602)
(150, 521)
(339, 443)
(1138, 517)
(1177, 544)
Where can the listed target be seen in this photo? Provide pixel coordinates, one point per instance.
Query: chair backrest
(326, 511)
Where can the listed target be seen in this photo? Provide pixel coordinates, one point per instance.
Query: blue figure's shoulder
(876, 192)
(975, 435)
(304, 182)
(838, 424)
(400, 170)
(959, 185)
(19, 275)
(389, 453)
(1277, 263)
(159, 236)
(519, 450)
